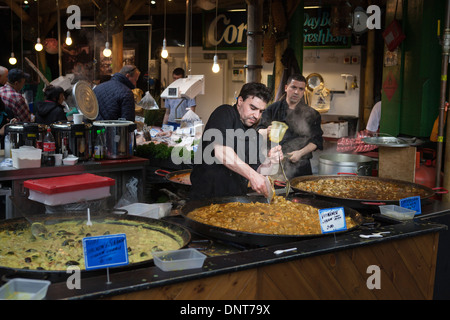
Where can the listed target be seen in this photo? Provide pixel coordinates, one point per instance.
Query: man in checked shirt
(11, 96)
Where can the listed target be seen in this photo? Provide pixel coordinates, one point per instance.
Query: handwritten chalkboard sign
(105, 251)
(317, 30)
(332, 220)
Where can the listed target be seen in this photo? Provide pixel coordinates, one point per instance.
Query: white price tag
(332, 220)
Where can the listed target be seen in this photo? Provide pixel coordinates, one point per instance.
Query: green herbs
(159, 151)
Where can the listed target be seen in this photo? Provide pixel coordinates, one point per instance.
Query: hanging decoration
(393, 35)
(51, 45)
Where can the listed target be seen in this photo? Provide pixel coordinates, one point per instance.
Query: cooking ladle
(288, 184)
(37, 228)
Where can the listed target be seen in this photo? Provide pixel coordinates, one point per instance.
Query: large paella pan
(360, 191)
(53, 242)
(222, 218)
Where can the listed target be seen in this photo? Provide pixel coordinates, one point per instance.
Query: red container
(69, 189)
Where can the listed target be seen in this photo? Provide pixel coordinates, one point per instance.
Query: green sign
(226, 31)
(317, 30)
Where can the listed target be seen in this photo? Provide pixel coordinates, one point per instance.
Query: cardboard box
(335, 129)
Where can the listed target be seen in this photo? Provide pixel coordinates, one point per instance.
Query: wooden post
(368, 101)
(117, 51)
(254, 40)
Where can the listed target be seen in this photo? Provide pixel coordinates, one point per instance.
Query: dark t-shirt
(211, 179)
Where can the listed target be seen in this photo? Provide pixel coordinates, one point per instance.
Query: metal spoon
(89, 223)
(374, 235)
(285, 250)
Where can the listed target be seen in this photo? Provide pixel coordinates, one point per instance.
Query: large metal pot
(25, 134)
(119, 138)
(73, 139)
(336, 163)
(255, 239)
(171, 229)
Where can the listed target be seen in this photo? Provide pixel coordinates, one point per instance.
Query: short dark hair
(255, 89)
(178, 72)
(52, 93)
(297, 77)
(17, 75)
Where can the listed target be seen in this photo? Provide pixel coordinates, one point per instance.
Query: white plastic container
(397, 212)
(181, 259)
(26, 157)
(149, 210)
(24, 289)
(69, 189)
(70, 160)
(143, 210)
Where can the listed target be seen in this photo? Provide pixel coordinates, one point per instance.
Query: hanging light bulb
(68, 39)
(12, 59)
(215, 67)
(164, 52)
(107, 51)
(38, 46)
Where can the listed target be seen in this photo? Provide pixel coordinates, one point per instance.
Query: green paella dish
(56, 246)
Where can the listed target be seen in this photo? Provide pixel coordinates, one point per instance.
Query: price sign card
(412, 203)
(105, 251)
(332, 220)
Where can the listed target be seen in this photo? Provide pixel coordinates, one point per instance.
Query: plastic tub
(178, 259)
(70, 160)
(69, 189)
(397, 212)
(26, 157)
(143, 210)
(24, 289)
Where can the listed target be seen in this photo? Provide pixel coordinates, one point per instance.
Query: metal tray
(389, 141)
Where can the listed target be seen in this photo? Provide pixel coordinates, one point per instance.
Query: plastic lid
(68, 183)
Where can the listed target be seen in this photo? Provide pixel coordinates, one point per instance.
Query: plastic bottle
(99, 147)
(48, 152)
(7, 146)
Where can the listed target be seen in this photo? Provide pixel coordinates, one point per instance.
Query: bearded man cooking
(231, 152)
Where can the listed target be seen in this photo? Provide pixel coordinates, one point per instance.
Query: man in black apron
(231, 151)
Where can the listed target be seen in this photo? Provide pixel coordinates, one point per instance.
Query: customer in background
(115, 97)
(12, 98)
(304, 134)
(3, 76)
(177, 108)
(51, 110)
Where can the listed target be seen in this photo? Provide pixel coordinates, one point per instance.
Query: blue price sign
(332, 219)
(105, 251)
(412, 203)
